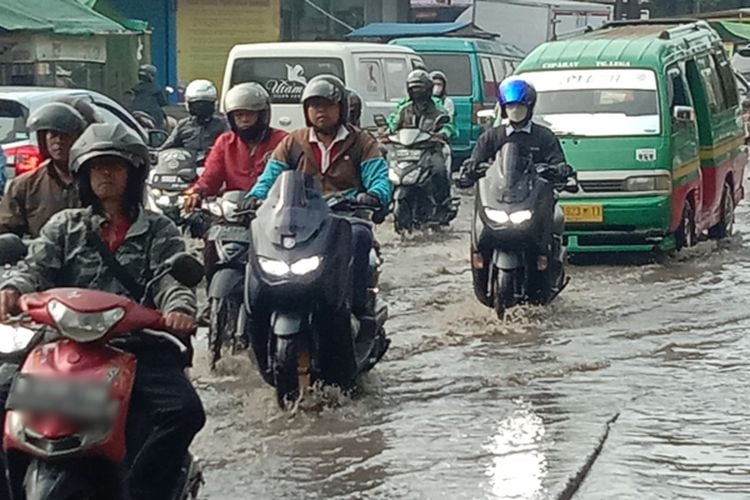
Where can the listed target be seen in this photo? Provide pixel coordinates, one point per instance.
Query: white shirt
(449, 106)
(325, 152)
(510, 129)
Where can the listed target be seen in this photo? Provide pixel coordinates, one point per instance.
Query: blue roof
(384, 30)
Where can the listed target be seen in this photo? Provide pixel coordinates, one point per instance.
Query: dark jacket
(542, 143)
(150, 98)
(33, 198)
(196, 136)
(63, 257)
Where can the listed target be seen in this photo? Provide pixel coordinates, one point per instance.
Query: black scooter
(175, 170)
(298, 290)
(514, 203)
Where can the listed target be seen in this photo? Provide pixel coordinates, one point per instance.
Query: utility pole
(473, 12)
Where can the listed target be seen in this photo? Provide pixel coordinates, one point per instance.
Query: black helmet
(330, 88)
(110, 139)
(147, 72)
(249, 96)
(355, 108)
(419, 85)
(89, 113)
(56, 116)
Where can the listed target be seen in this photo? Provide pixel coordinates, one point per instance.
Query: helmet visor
(514, 92)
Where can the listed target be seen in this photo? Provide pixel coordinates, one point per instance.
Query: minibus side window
(710, 77)
(488, 79)
(726, 76)
(678, 92)
(499, 66)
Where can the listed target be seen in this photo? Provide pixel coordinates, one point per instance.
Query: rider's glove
(250, 203)
(368, 199)
(564, 170)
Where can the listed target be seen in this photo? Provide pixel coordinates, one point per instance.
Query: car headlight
(14, 338)
(280, 268)
(499, 216)
(521, 216)
(83, 327)
(649, 183)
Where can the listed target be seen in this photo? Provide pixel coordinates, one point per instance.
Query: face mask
(517, 113)
(437, 90)
(419, 95)
(202, 109)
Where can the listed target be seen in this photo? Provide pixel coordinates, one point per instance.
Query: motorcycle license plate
(77, 400)
(409, 154)
(583, 213)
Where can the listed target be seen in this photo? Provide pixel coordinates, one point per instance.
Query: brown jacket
(33, 198)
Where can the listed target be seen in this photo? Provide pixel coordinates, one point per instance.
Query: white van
(377, 72)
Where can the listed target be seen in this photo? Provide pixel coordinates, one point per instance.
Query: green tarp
(732, 31)
(63, 17)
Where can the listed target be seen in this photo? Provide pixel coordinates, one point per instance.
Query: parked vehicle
(655, 133)
(376, 72)
(229, 234)
(298, 284)
(17, 103)
(474, 68)
(69, 417)
(510, 202)
(175, 171)
(529, 23)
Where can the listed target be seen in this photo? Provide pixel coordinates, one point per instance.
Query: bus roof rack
(677, 25)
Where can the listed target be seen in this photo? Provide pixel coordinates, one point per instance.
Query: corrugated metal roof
(64, 17)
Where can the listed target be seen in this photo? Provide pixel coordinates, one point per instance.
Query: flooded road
(631, 385)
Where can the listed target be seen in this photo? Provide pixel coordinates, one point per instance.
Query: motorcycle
(510, 202)
(412, 156)
(298, 288)
(68, 405)
(175, 171)
(230, 236)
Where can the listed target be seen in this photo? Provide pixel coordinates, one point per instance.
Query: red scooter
(68, 405)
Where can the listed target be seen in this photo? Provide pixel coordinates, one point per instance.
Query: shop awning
(63, 17)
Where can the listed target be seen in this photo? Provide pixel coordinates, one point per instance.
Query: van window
(501, 69)
(678, 91)
(284, 77)
(726, 77)
(710, 77)
(489, 85)
(396, 72)
(597, 102)
(457, 69)
(371, 80)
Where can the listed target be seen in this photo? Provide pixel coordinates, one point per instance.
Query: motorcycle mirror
(188, 175)
(156, 138)
(441, 121)
(186, 269)
(571, 188)
(12, 249)
(380, 121)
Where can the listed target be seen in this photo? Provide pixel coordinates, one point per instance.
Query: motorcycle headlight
(14, 338)
(499, 216)
(273, 267)
(521, 216)
(305, 266)
(83, 327)
(649, 183)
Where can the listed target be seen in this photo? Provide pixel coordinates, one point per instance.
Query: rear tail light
(24, 158)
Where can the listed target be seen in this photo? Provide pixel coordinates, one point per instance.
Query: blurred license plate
(75, 399)
(167, 178)
(583, 213)
(408, 154)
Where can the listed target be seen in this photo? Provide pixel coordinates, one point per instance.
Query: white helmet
(200, 90)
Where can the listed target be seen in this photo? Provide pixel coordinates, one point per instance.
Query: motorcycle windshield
(174, 159)
(510, 178)
(411, 136)
(294, 210)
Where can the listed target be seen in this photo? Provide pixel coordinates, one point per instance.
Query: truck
(529, 23)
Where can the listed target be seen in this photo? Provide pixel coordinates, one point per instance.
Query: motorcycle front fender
(507, 260)
(289, 324)
(48, 480)
(226, 282)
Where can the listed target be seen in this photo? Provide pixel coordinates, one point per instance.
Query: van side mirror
(185, 268)
(380, 121)
(12, 249)
(683, 113)
(156, 138)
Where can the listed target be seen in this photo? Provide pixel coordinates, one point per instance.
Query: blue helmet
(514, 90)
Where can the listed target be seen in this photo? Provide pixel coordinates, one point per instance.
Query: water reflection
(519, 465)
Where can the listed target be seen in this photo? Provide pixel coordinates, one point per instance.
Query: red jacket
(234, 166)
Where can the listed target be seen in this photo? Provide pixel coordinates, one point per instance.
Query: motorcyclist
(199, 131)
(343, 158)
(439, 90)
(148, 96)
(517, 99)
(355, 108)
(110, 165)
(239, 155)
(421, 110)
(35, 196)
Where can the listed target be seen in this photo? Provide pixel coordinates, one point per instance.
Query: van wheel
(725, 227)
(686, 236)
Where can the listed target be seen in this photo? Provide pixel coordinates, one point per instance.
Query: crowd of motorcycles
(280, 289)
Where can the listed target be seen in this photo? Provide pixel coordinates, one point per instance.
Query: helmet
(147, 72)
(418, 84)
(355, 107)
(327, 87)
(56, 116)
(515, 90)
(249, 96)
(200, 90)
(110, 139)
(438, 75)
(89, 112)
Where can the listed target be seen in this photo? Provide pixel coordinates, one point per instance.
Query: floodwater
(632, 384)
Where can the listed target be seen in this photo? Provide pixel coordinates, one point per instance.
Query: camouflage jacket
(62, 257)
